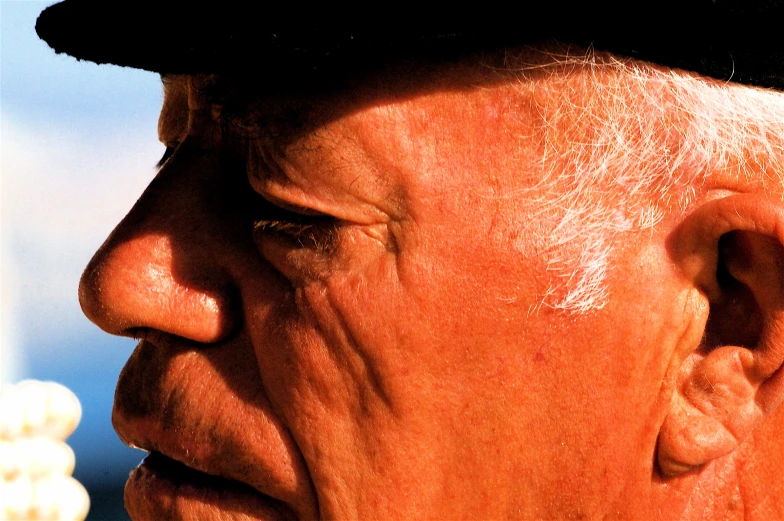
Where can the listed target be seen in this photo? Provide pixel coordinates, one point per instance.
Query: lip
(217, 449)
(162, 488)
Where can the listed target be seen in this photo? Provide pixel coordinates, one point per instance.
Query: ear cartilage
(35, 462)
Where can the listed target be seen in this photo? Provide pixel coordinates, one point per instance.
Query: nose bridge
(166, 265)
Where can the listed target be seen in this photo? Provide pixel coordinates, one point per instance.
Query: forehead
(481, 123)
(396, 83)
(533, 79)
(534, 102)
(405, 100)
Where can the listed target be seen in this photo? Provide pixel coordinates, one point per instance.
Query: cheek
(337, 366)
(342, 337)
(326, 352)
(607, 389)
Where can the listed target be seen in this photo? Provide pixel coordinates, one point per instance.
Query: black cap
(732, 40)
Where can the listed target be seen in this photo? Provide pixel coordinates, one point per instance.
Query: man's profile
(432, 274)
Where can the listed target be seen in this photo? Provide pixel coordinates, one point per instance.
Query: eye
(299, 227)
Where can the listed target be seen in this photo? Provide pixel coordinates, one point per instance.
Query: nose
(166, 266)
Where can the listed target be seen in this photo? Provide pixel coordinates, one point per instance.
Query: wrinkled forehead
(479, 78)
(554, 90)
(250, 104)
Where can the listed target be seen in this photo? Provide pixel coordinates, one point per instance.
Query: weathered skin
(401, 365)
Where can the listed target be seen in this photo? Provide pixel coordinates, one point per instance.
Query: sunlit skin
(397, 361)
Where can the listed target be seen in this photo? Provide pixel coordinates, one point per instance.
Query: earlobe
(713, 410)
(730, 378)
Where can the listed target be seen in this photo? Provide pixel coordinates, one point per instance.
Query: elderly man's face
(343, 306)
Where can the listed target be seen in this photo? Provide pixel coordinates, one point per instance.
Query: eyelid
(301, 210)
(299, 227)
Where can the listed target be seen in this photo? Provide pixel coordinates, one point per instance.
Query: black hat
(733, 40)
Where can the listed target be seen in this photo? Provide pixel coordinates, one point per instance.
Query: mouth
(163, 488)
(217, 450)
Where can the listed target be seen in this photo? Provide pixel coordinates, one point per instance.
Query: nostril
(160, 339)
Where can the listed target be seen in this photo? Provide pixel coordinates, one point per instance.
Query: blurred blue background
(77, 147)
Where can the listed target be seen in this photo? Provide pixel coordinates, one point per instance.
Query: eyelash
(166, 155)
(316, 231)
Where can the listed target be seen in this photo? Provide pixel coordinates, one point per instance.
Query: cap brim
(730, 40)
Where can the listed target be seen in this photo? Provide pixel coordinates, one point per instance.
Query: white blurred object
(35, 462)
(34, 408)
(16, 496)
(35, 458)
(56, 498)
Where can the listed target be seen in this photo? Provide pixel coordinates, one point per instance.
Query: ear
(732, 251)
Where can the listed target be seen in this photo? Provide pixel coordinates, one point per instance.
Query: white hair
(623, 143)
